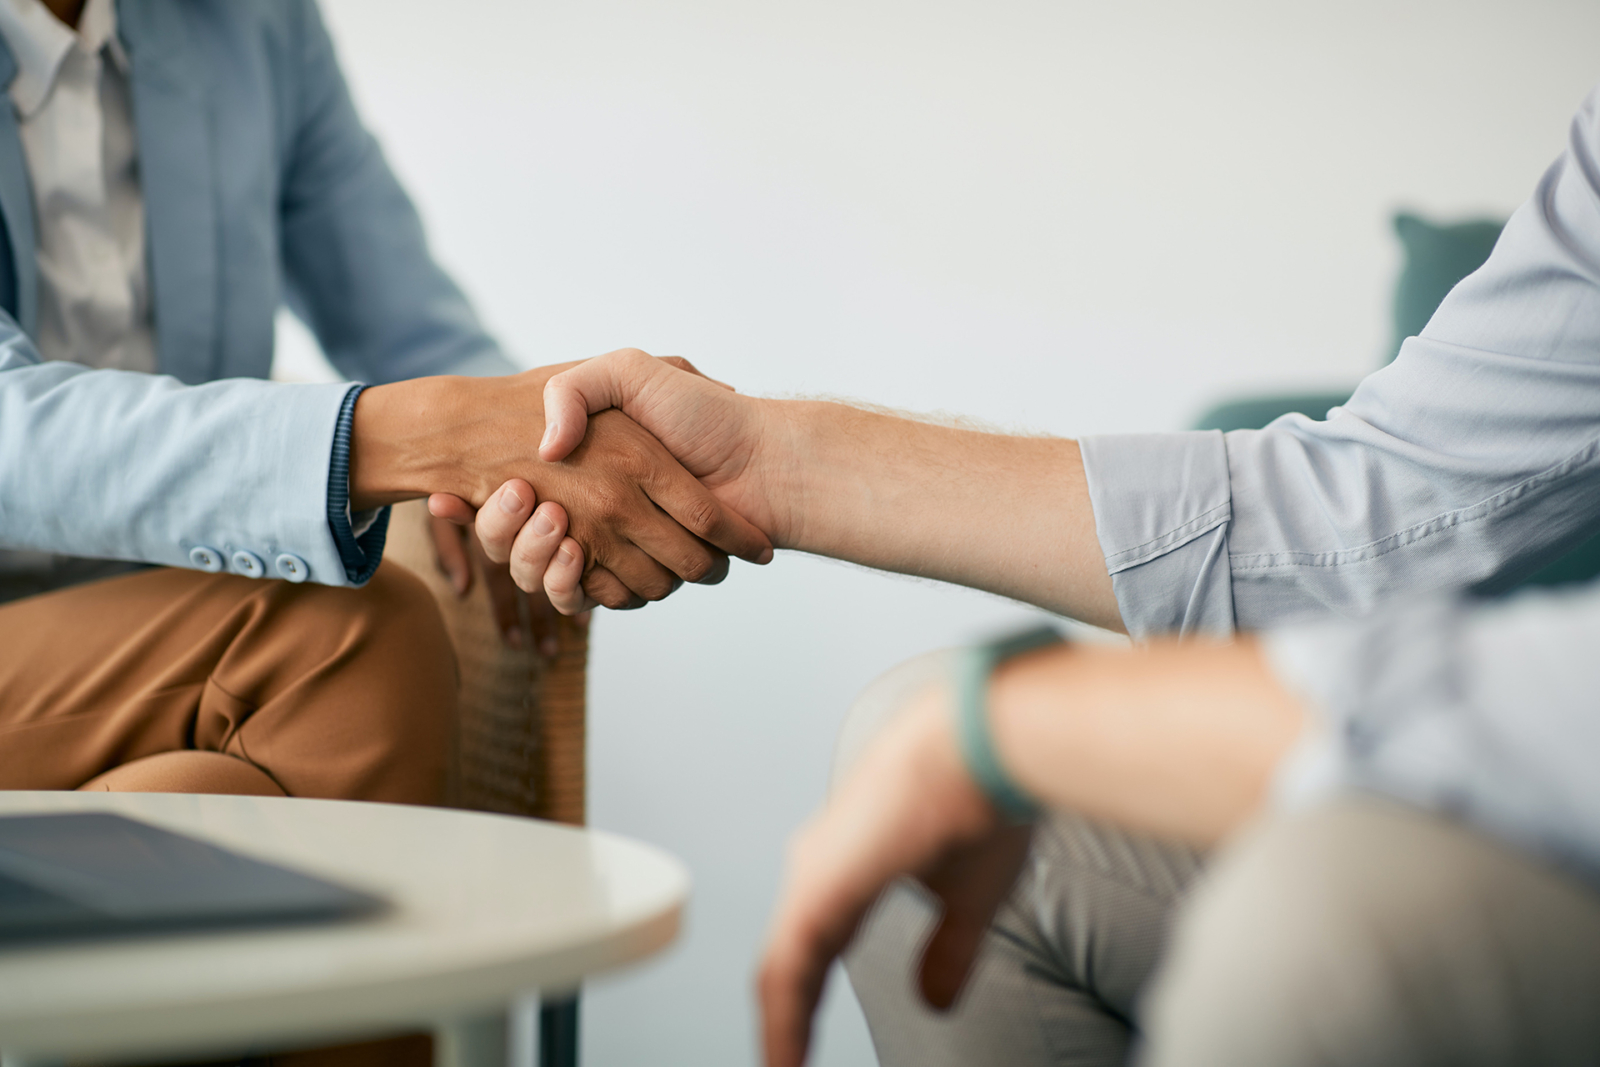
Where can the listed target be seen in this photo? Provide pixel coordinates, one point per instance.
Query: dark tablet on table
(92, 873)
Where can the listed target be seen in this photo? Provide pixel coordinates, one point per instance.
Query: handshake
(611, 481)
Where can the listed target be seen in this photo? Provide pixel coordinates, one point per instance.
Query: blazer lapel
(16, 202)
(177, 179)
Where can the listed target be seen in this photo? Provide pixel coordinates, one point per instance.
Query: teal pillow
(1436, 257)
(1252, 413)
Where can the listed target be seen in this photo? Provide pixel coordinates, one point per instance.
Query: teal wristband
(972, 670)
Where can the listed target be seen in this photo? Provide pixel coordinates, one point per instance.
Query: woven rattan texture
(519, 747)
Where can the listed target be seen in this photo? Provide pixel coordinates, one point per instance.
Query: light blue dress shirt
(1474, 457)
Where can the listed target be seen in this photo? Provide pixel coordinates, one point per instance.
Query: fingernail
(510, 502)
(565, 554)
(542, 526)
(549, 435)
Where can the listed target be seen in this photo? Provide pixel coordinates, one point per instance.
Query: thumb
(608, 381)
(971, 885)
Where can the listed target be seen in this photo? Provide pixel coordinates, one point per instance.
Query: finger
(666, 541)
(563, 579)
(972, 884)
(458, 511)
(718, 572)
(450, 554)
(536, 544)
(789, 986)
(605, 589)
(502, 517)
(692, 506)
(644, 577)
(821, 905)
(570, 397)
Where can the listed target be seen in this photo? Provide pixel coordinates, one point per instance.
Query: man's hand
(643, 522)
(1180, 740)
(719, 436)
(529, 542)
(907, 808)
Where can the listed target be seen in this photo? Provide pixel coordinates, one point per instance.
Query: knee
(1267, 951)
(406, 662)
(386, 671)
(1361, 933)
(880, 701)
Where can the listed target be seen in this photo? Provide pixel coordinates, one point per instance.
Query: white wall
(1064, 216)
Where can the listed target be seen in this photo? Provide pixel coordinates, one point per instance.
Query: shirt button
(248, 564)
(291, 568)
(207, 559)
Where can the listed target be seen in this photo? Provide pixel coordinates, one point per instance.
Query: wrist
(935, 762)
(803, 470)
(438, 435)
(771, 484)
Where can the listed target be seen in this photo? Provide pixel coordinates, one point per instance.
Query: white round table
(487, 908)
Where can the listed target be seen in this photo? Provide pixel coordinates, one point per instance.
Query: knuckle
(657, 587)
(606, 596)
(608, 501)
(529, 555)
(698, 567)
(701, 517)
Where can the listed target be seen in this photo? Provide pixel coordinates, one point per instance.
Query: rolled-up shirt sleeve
(1481, 711)
(1474, 457)
(1162, 507)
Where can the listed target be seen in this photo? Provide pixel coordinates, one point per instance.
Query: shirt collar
(40, 42)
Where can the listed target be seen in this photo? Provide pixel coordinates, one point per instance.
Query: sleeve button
(206, 559)
(291, 568)
(248, 564)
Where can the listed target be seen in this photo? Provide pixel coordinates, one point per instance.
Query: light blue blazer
(261, 188)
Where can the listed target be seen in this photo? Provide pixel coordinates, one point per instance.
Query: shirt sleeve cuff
(1162, 505)
(360, 552)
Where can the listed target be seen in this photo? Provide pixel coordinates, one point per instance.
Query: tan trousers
(178, 681)
(1362, 933)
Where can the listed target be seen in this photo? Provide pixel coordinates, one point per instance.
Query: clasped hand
(682, 445)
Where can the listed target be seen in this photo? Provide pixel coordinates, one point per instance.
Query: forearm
(1007, 514)
(1179, 739)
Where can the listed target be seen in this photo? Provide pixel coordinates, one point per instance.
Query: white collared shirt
(73, 106)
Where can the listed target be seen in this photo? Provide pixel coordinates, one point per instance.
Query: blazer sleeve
(357, 265)
(119, 465)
